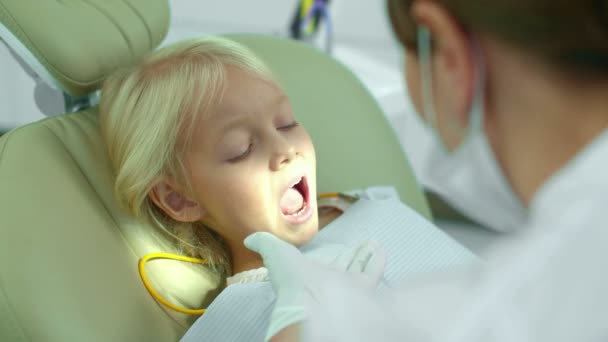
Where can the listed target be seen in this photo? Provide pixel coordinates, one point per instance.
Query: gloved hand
(298, 280)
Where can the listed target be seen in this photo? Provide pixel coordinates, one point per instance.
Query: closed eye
(289, 126)
(241, 156)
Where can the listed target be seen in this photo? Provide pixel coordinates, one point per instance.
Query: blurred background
(361, 38)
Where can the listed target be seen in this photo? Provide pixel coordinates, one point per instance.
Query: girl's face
(252, 166)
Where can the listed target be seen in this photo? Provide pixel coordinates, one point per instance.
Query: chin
(309, 234)
(300, 235)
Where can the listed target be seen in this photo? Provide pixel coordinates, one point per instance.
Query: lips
(295, 201)
(302, 187)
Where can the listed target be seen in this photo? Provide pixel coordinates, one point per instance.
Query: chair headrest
(72, 45)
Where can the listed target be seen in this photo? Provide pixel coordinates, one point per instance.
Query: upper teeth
(295, 182)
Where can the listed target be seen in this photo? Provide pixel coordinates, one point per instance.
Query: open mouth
(295, 202)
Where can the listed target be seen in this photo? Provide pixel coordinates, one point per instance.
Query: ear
(453, 68)
(175, 204)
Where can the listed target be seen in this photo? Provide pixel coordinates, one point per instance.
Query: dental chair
(68, 254)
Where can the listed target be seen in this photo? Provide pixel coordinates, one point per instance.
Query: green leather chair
(68, 255)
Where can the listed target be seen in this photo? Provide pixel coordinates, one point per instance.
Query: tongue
(291, 201)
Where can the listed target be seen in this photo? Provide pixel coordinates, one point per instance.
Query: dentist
(517, 94)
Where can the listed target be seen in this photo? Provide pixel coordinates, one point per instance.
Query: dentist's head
(514, 90)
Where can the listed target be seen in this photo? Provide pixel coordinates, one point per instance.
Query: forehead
(244, 99)
(246, 93)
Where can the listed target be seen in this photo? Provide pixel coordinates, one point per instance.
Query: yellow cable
(328, 195)
(163, 255)
(144, 278)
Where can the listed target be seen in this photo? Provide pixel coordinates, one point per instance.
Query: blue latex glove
(298, 280)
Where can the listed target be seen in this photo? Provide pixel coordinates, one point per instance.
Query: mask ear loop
(426, 84)
(426, 81)
(152, 291)
(477, 106)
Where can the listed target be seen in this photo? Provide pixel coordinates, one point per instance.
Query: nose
(283, 152)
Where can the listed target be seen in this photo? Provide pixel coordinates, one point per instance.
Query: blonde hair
(146, 114)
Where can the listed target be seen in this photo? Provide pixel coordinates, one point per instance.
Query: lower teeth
(299, 211)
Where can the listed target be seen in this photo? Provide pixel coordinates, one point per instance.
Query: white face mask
(469, 178)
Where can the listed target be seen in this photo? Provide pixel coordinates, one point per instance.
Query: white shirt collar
(250, 276)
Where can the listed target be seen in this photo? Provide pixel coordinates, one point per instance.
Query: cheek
(248, 206)
(216, 188)
(233, 190)
(234, 201)
(306, 145)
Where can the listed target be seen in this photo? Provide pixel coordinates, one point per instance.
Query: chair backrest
(68, 255)
(71, 46)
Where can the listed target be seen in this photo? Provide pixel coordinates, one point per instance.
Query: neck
(244, 259)
(540, 121)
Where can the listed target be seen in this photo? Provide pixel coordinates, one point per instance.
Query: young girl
(205, 146)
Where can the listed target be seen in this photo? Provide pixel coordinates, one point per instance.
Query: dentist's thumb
(273, 250)
(263, 243)
(280, 258)
(254, 241)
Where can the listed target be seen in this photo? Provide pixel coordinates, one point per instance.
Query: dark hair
(569, 33)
